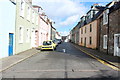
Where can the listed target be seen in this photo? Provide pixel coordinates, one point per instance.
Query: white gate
(116, 44)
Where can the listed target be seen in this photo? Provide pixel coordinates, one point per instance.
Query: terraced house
(110, 29)
(89, 28)
(100, 29)
(75, 34)
(26, 26)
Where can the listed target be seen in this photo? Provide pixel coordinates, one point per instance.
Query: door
(10, 44)
(85, 42)
(117, 45)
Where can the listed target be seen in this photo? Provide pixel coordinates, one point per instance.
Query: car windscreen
(47, 43)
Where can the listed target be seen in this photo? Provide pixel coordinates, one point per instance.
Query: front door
(10, 44)
(117, 45)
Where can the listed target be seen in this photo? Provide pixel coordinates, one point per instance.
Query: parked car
(48, 45)
(59, 41)
(56, 42)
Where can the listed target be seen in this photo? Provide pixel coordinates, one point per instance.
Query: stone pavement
(12, 60)
(113, 60)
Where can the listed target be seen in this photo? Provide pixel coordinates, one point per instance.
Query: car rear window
(47, 43)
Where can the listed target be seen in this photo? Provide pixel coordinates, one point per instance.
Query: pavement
(110, 59)
(10, 61)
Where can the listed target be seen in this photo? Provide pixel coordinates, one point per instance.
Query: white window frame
(36, 19)
(105, 42)
(22, 8)
(21, 35)
(29, 11)
(27, 35)
(33, 16)
(105, 16)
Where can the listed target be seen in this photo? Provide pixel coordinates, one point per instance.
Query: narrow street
(72, 63)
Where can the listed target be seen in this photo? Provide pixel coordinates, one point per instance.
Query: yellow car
(47, 45)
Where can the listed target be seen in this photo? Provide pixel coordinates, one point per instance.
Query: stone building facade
(109, 30)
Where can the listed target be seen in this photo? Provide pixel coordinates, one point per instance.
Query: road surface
(65, 62)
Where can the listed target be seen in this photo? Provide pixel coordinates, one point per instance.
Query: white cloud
(64, 33)
(62, 11)
(70, 20)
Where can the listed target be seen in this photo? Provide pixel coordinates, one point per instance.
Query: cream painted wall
(88, 34)
(26, 24)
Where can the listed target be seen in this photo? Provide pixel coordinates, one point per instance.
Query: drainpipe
(15, 27)
(108, 35)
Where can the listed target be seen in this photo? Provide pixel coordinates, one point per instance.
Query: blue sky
(66, 13)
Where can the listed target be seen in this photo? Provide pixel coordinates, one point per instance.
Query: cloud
(70, 20)
(60, 11)
(64, 33)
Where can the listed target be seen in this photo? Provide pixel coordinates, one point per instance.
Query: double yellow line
(103, 62)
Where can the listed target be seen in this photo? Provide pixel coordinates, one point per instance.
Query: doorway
(116, 44)
(10, 44)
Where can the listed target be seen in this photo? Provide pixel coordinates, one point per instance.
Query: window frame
(21, 36)
(105, 41)
(90, 40)
(28, 13)
(22, 8)
(105, 16)
(90, 27)
(27, 35)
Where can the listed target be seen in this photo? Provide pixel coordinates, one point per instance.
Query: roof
(36, 6)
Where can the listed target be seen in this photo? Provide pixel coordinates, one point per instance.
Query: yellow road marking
(18, 62)
(103, 62)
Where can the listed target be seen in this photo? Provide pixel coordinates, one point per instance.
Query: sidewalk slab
(113, 60)
(5, 62)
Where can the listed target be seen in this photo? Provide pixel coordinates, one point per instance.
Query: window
(85, 29)
(81, 40)
(81, 31)
(20, 34)
(105, 41)
(90, 40)
(28, 36)
(22, 8)
(90, 27)
(33, 16)
(36, 19)
(85, 42)
(105, 17)
(28, 15)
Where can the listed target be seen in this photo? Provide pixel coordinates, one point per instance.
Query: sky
(66, 13)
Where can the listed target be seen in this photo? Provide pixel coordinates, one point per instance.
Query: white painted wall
(7, 25)
(57, 36)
